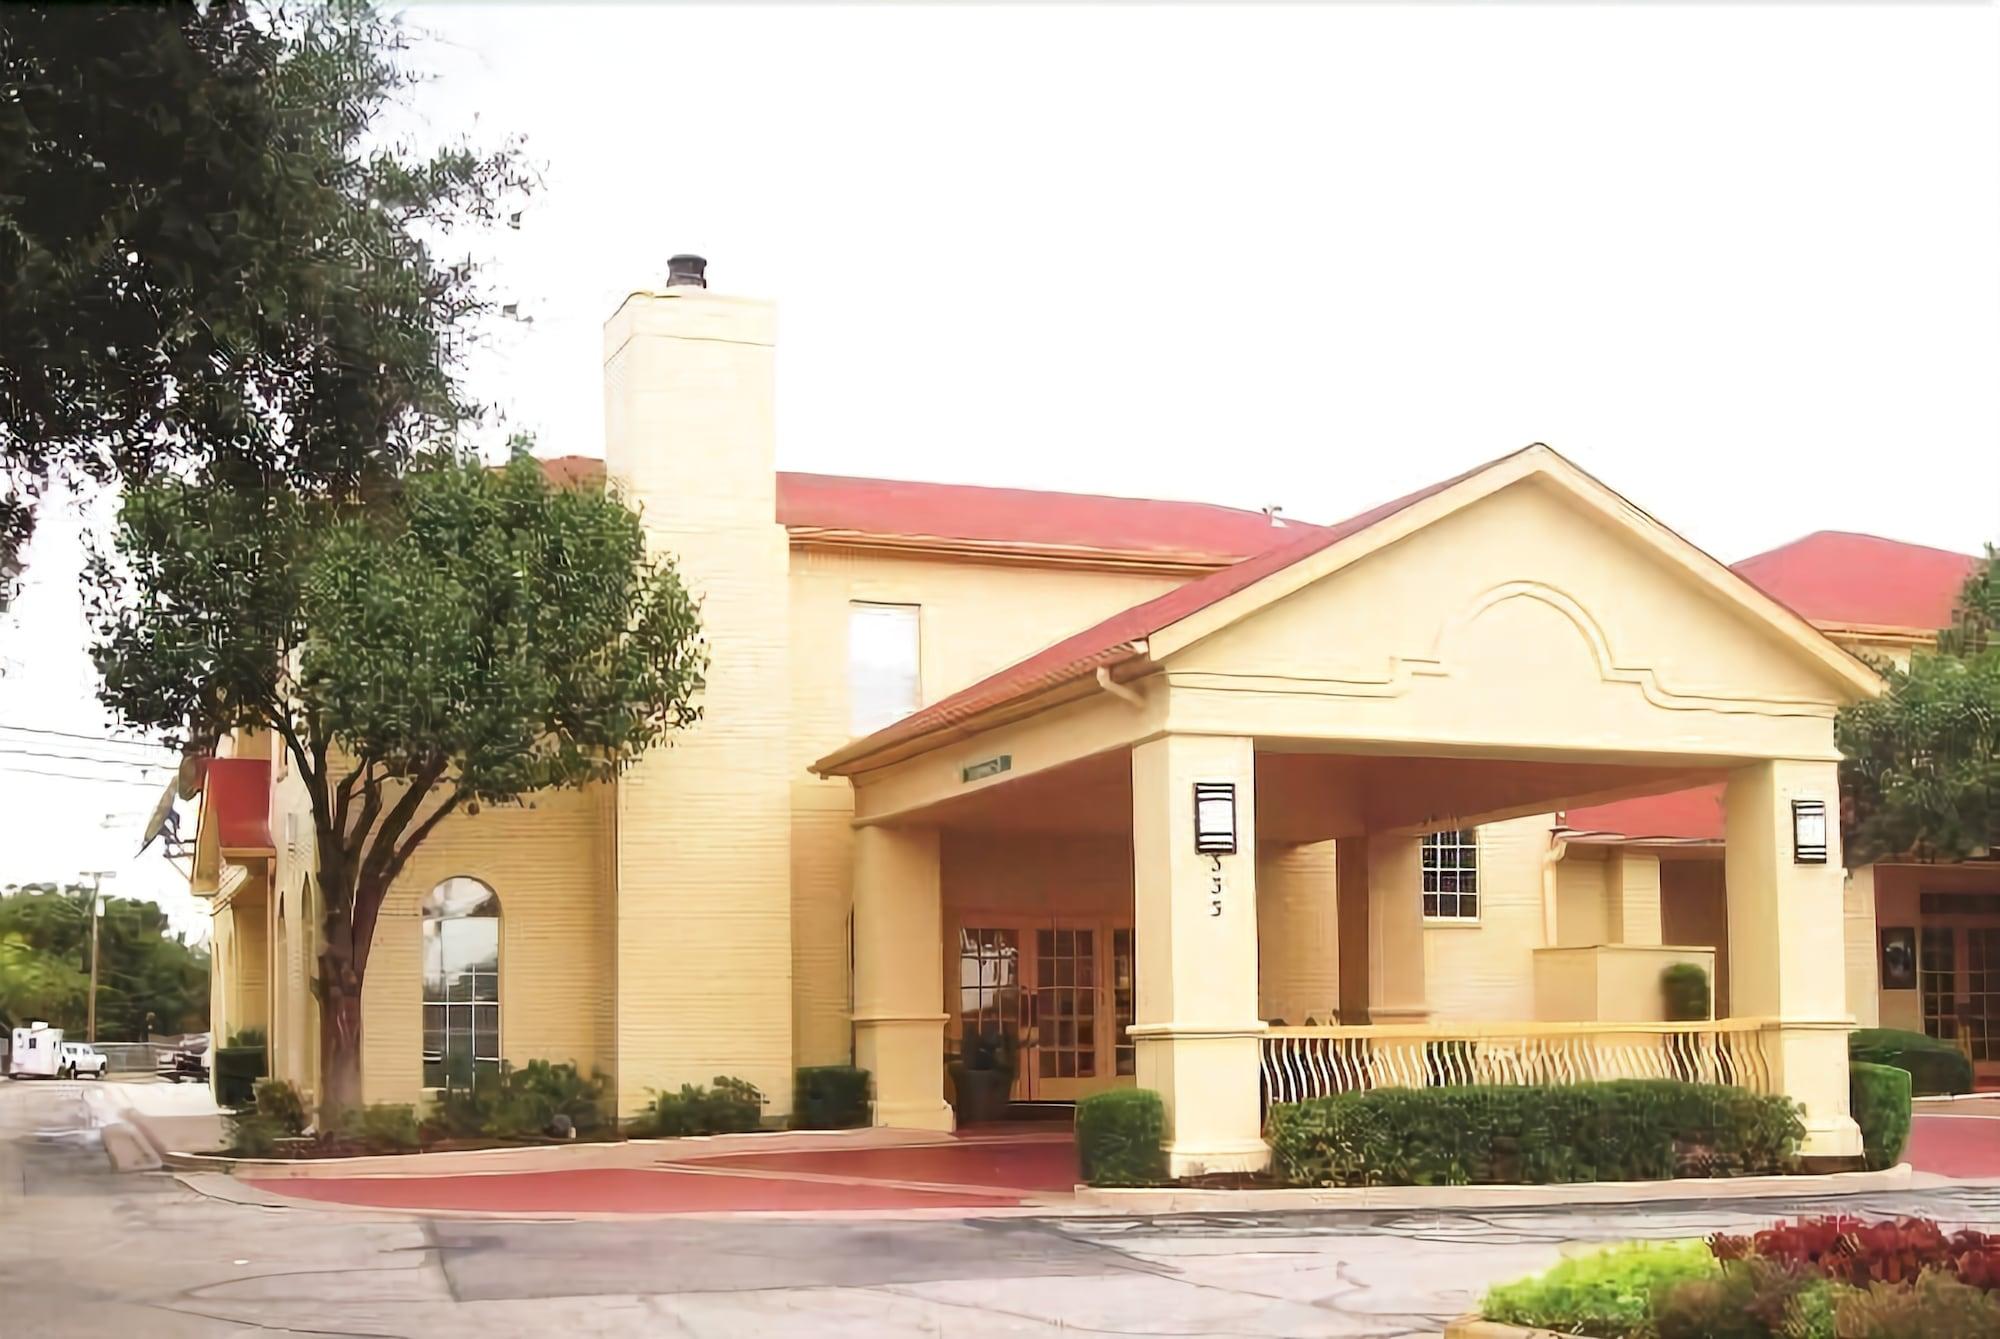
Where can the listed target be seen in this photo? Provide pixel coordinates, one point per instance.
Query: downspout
(1558, 848)
(1124, 692)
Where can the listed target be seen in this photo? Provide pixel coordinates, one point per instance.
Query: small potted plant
(982, 1075)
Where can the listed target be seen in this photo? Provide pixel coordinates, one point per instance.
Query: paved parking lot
(84, 1251)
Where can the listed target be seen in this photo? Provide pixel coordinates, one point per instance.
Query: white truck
(80, 1060)
(36, 1052)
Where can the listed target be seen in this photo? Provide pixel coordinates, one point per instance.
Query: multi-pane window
(461, 983)
(1124, 1057)
(1451, 875)
(989, 984)
(883, 683)
(1937, 979)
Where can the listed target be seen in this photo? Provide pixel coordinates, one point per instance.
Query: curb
(1169, 1200)
(1474, 1327)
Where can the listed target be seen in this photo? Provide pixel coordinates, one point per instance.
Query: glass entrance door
(1959, 977)
(1064, 1054)
(1061, 989)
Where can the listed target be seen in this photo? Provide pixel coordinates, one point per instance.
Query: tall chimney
(687, 271)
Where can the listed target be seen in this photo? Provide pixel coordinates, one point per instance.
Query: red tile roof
(1830, 577)
(1836, 577)
(239, 797)
(1686, 815)
(1114, 639)
(1196, 532)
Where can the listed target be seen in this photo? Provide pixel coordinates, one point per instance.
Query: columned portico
(1381, 930)
(1197, 1029)
(1786, 947)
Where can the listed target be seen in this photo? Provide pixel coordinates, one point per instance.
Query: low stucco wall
(1609, 983)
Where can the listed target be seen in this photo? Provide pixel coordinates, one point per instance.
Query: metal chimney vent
(685, 271)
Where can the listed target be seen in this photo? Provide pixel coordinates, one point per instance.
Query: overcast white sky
(1741, 262)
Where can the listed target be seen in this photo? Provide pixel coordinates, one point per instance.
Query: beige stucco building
(947, 779)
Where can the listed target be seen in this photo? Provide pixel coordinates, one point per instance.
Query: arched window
(461, 983)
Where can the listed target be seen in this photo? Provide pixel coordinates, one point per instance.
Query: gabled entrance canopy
(1520, 610)
(1514, 641)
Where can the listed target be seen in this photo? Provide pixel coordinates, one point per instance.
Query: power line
(85, 757)
(71, 776)
(128, 741)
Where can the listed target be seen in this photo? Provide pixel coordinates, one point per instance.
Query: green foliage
(475, 638)
(1607, 1293)
(1630, 1130)
(537, 1099)
(143, 966)
(1921, 772)
(1936, 1306)
(1879, 1096)
(278, 1101)
(252, 1135)
(381, 1127)
(249, 1036)
(1120, 1137)
(730, 1106)
(1936, 1067)
(1684, 987)
(237, 1069)
(212, 258)
(1746, 1299)
(830, 1097)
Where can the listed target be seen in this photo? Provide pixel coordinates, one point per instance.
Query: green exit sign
(979, 771)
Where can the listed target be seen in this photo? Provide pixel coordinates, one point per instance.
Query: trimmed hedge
(1879, 1096)
(1629, 1130)
(1684, 990)
(830, 1097)
(1936, 1067)
(1120, 1137)
(237, 1069)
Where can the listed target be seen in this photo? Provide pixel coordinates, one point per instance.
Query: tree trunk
(339, 1040)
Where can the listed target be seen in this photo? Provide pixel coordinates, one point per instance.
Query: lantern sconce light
(1809, 832)
(1215, 817)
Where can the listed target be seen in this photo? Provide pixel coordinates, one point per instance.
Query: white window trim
(1468, 841)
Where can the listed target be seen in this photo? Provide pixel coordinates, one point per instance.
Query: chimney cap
(687, 271)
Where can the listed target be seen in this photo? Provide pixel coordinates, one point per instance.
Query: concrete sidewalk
(144, 1119)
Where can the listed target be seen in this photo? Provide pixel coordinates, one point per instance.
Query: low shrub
(830, 1097)
(381, 1127)
(1684, 991)
(1857, 1252)
(1934, 1306)
(279, 1102)
(1936, 1067)
(1120, 1137)
(1607, 1293)
(1746, 1299)
(1629, 1130)
(251, 1135)
(237, 1069)
(730, 1106)
(540, 1098)
(1879, 1096)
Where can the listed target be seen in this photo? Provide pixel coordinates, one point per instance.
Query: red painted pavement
(1964, 1146)
(1045, 1166)
(618, 1190)
(970, 1175)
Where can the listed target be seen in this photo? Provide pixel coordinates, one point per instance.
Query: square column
(1632, 898)
(1382, 971)
(898, 978)
(1197, 1033)
(1786, 959)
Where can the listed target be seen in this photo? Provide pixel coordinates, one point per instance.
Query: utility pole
(96, 877)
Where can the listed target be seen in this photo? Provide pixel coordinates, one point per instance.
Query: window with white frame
(1451, 875)
(461, 983)
(883, 682)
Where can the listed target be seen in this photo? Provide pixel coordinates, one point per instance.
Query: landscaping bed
(1817, 1278)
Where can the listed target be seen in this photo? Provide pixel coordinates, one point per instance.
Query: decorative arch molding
(1437, 661)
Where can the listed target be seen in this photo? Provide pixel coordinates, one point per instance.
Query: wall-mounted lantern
(1809, 832)
(1215, 817)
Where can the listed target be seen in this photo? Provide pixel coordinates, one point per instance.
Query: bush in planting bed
(1120, 1138)
(1606, 1294)
(730, 1106)
(1630, 1130)
(1879, 1096)
(830, 1097)
(1936, 1067)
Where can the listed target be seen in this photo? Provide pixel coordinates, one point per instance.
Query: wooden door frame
(1029, 1086)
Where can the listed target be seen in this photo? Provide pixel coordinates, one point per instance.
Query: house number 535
(1215, 886)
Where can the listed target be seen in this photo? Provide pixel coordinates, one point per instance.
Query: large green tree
(211, 255)
(1921, 773)
(144, 968)
(471, 639)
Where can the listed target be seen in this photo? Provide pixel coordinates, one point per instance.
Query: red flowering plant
(1858, 1252)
